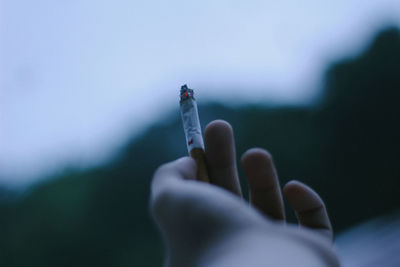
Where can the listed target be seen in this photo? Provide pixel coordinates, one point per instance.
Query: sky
(77, 78)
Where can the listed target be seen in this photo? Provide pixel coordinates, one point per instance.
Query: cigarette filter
(191, 126)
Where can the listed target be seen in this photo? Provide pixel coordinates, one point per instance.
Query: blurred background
(89, 95)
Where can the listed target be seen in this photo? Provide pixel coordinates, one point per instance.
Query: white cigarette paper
(190, 119)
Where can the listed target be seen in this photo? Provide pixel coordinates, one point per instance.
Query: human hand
(211, 225)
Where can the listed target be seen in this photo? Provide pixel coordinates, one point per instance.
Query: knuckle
(162, 168)
(161, 201)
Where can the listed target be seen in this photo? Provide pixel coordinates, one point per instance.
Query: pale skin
(211, 225)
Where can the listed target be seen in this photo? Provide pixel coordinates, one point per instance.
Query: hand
(211, 225)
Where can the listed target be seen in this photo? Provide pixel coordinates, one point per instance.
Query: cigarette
(191, 126)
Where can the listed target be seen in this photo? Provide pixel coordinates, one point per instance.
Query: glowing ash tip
(186, 93)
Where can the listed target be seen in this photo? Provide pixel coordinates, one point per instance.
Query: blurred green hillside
(346, 146)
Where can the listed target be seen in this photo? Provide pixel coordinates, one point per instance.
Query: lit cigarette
(191, 126)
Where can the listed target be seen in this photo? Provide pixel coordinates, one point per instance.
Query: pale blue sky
(78, 77)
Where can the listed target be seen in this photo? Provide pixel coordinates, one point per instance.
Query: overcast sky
(78, 77)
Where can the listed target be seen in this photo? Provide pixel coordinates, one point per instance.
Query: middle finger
(221, 156)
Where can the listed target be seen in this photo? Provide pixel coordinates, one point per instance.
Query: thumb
(192, 215)
(165, 187)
